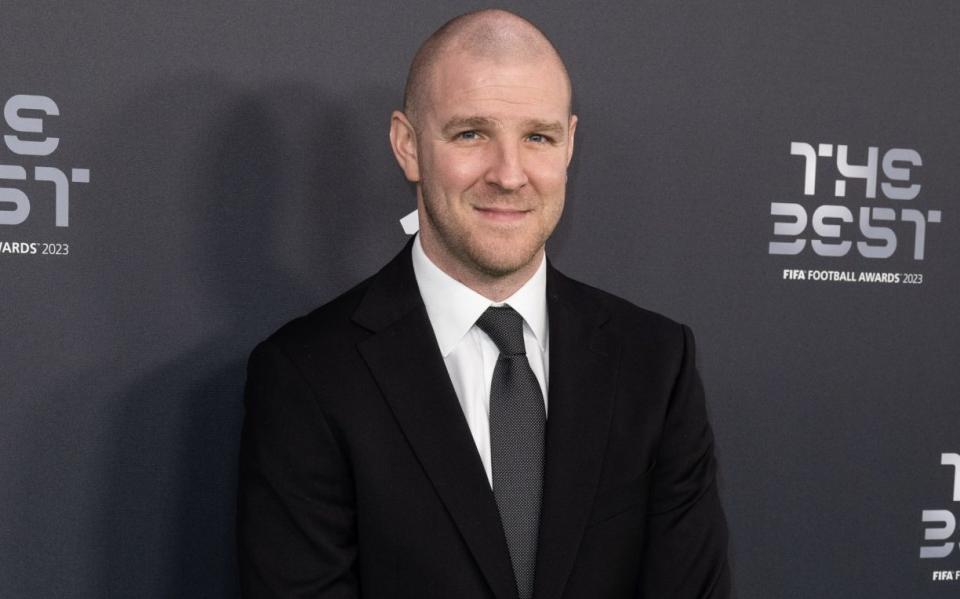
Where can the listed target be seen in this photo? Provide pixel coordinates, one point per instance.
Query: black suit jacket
(359, 476)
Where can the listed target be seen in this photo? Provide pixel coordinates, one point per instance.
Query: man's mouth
(502, 214)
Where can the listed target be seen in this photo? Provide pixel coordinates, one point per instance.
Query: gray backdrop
(239, 175)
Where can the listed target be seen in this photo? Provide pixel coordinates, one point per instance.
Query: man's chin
(497, 265)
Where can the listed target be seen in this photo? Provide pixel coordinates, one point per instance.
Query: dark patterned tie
(517, 425)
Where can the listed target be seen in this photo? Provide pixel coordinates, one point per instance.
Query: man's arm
(686, 550)
(296, 510)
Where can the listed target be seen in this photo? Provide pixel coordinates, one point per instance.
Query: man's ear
(572, 130)
(403, 140)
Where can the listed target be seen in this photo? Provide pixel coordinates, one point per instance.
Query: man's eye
(468, 135)
(539, 138)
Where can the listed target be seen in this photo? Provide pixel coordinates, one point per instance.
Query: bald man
(468, 422)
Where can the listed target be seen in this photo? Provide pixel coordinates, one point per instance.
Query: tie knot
(505, 327)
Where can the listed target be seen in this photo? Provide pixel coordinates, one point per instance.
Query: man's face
(493, 144)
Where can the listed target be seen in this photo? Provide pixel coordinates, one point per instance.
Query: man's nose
(506, 167)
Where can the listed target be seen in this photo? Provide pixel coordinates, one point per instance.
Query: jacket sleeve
(685, 555)
(296, 529)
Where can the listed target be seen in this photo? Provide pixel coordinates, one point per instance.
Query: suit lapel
(404, 358)
(583, 368)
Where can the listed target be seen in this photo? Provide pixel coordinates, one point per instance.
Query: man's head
(486, 134)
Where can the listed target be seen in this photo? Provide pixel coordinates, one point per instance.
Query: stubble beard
(483, 255)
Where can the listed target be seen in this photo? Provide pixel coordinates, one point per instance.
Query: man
(468, 422)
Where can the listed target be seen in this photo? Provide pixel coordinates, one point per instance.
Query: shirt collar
(453, 308)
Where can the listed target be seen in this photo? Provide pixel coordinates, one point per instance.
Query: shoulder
(635, 326)
(353, 314)
(323, 330)
(621, 312)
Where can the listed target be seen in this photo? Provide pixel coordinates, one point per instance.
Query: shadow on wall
(239, 194)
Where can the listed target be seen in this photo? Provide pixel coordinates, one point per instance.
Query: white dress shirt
(468, 353)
